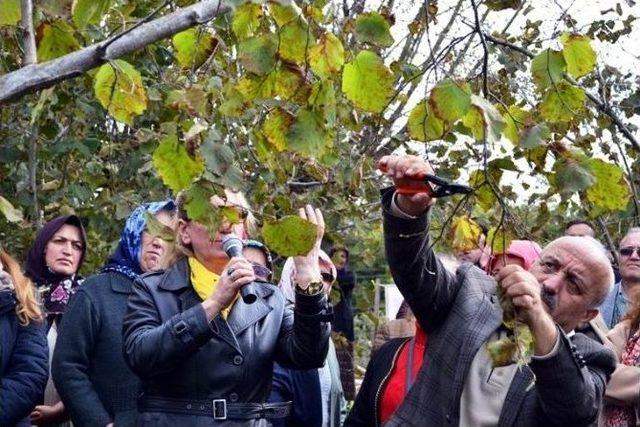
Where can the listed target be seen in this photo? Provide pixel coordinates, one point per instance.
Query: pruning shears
(433, 185)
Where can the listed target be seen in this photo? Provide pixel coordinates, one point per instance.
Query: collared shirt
(614, 306)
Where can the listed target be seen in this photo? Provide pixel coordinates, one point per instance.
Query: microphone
(232, 246)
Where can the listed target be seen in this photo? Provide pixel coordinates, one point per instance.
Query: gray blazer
(459, 313)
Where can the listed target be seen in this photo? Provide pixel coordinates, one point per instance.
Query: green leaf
(610, 192)
(492, 121)
(219, 159)
(158, 229)
(193, 100)
(367, 82)
(287, 83)
(289, 236)
(246, 20)
(374, 29)
(89, 11)
(327, 56)
(578, 54)
(516, 120)
(233, 102)
(307, 135)
(547, 68)
(534, 136)
(283, 14)
(193, 47)
(501, 352)
(258, 54)
(199, 208)
(474, 121)
(499, 239)
(573, 173)
(56, 39)
(257, 87)
(294, 41)
(10, 12)
(119, 88)
(276, 127)
(450, 100)
(464, 233)
(174, 164)
(10, 213)
(562, 102)
(424, 126)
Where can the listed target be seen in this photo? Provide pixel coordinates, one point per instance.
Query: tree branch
(28, 36)
(39, 76)
(485, 51)
(600, 104)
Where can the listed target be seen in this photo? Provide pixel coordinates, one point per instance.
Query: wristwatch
(314, 288)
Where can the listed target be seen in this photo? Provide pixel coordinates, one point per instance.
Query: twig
(612, 246)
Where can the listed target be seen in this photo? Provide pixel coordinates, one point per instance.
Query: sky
(623, 55)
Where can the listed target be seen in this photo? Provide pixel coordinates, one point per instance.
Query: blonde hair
(27, 308)
(234, 198)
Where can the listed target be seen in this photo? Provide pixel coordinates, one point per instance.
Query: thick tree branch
(28, 35)
(600, 104)
(40, 76)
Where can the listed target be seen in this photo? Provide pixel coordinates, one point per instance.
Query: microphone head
(232, 245)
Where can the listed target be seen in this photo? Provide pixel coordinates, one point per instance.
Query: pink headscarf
(528, 251)
(286, 283)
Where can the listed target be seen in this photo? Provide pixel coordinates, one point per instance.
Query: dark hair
(339, 249)
(578, 221)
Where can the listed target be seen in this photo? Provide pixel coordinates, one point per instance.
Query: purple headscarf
(55, 288)
(36, 267)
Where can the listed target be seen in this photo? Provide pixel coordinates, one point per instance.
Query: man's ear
(590, 314)
(183, 234)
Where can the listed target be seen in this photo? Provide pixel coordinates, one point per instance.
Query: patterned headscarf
(55, 288)
(36, 267)
(126, 258)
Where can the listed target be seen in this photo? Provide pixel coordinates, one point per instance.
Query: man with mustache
(617, 302)
(457, 384)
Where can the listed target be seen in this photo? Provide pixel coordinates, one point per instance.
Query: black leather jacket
(178, 354)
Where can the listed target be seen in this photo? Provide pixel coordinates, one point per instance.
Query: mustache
(549, 299)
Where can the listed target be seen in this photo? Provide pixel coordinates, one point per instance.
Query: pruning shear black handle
(433, 185)
(444, 188)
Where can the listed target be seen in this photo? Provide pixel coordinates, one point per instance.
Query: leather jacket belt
(219, 409)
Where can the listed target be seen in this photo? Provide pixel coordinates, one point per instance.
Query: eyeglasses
(628, 251)
(262, 272)
(327, 277)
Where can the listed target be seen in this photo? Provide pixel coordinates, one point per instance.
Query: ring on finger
(230, 271)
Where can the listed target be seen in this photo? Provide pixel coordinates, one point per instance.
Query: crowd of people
(165, 334)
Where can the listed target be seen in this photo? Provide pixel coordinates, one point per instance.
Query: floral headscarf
(126, 258)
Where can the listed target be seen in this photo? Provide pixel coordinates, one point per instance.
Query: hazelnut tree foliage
(294, 101)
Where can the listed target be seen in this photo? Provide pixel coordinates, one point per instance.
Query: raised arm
(425, 283)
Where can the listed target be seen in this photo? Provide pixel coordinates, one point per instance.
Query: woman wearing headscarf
(317, 394)
(95, 383)
(205, 355)
(23, 346)
(53, 262)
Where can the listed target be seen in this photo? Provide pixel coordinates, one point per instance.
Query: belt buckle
(219, 409)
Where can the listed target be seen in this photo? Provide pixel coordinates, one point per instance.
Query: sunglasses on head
(629, 251)
(262, 272)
